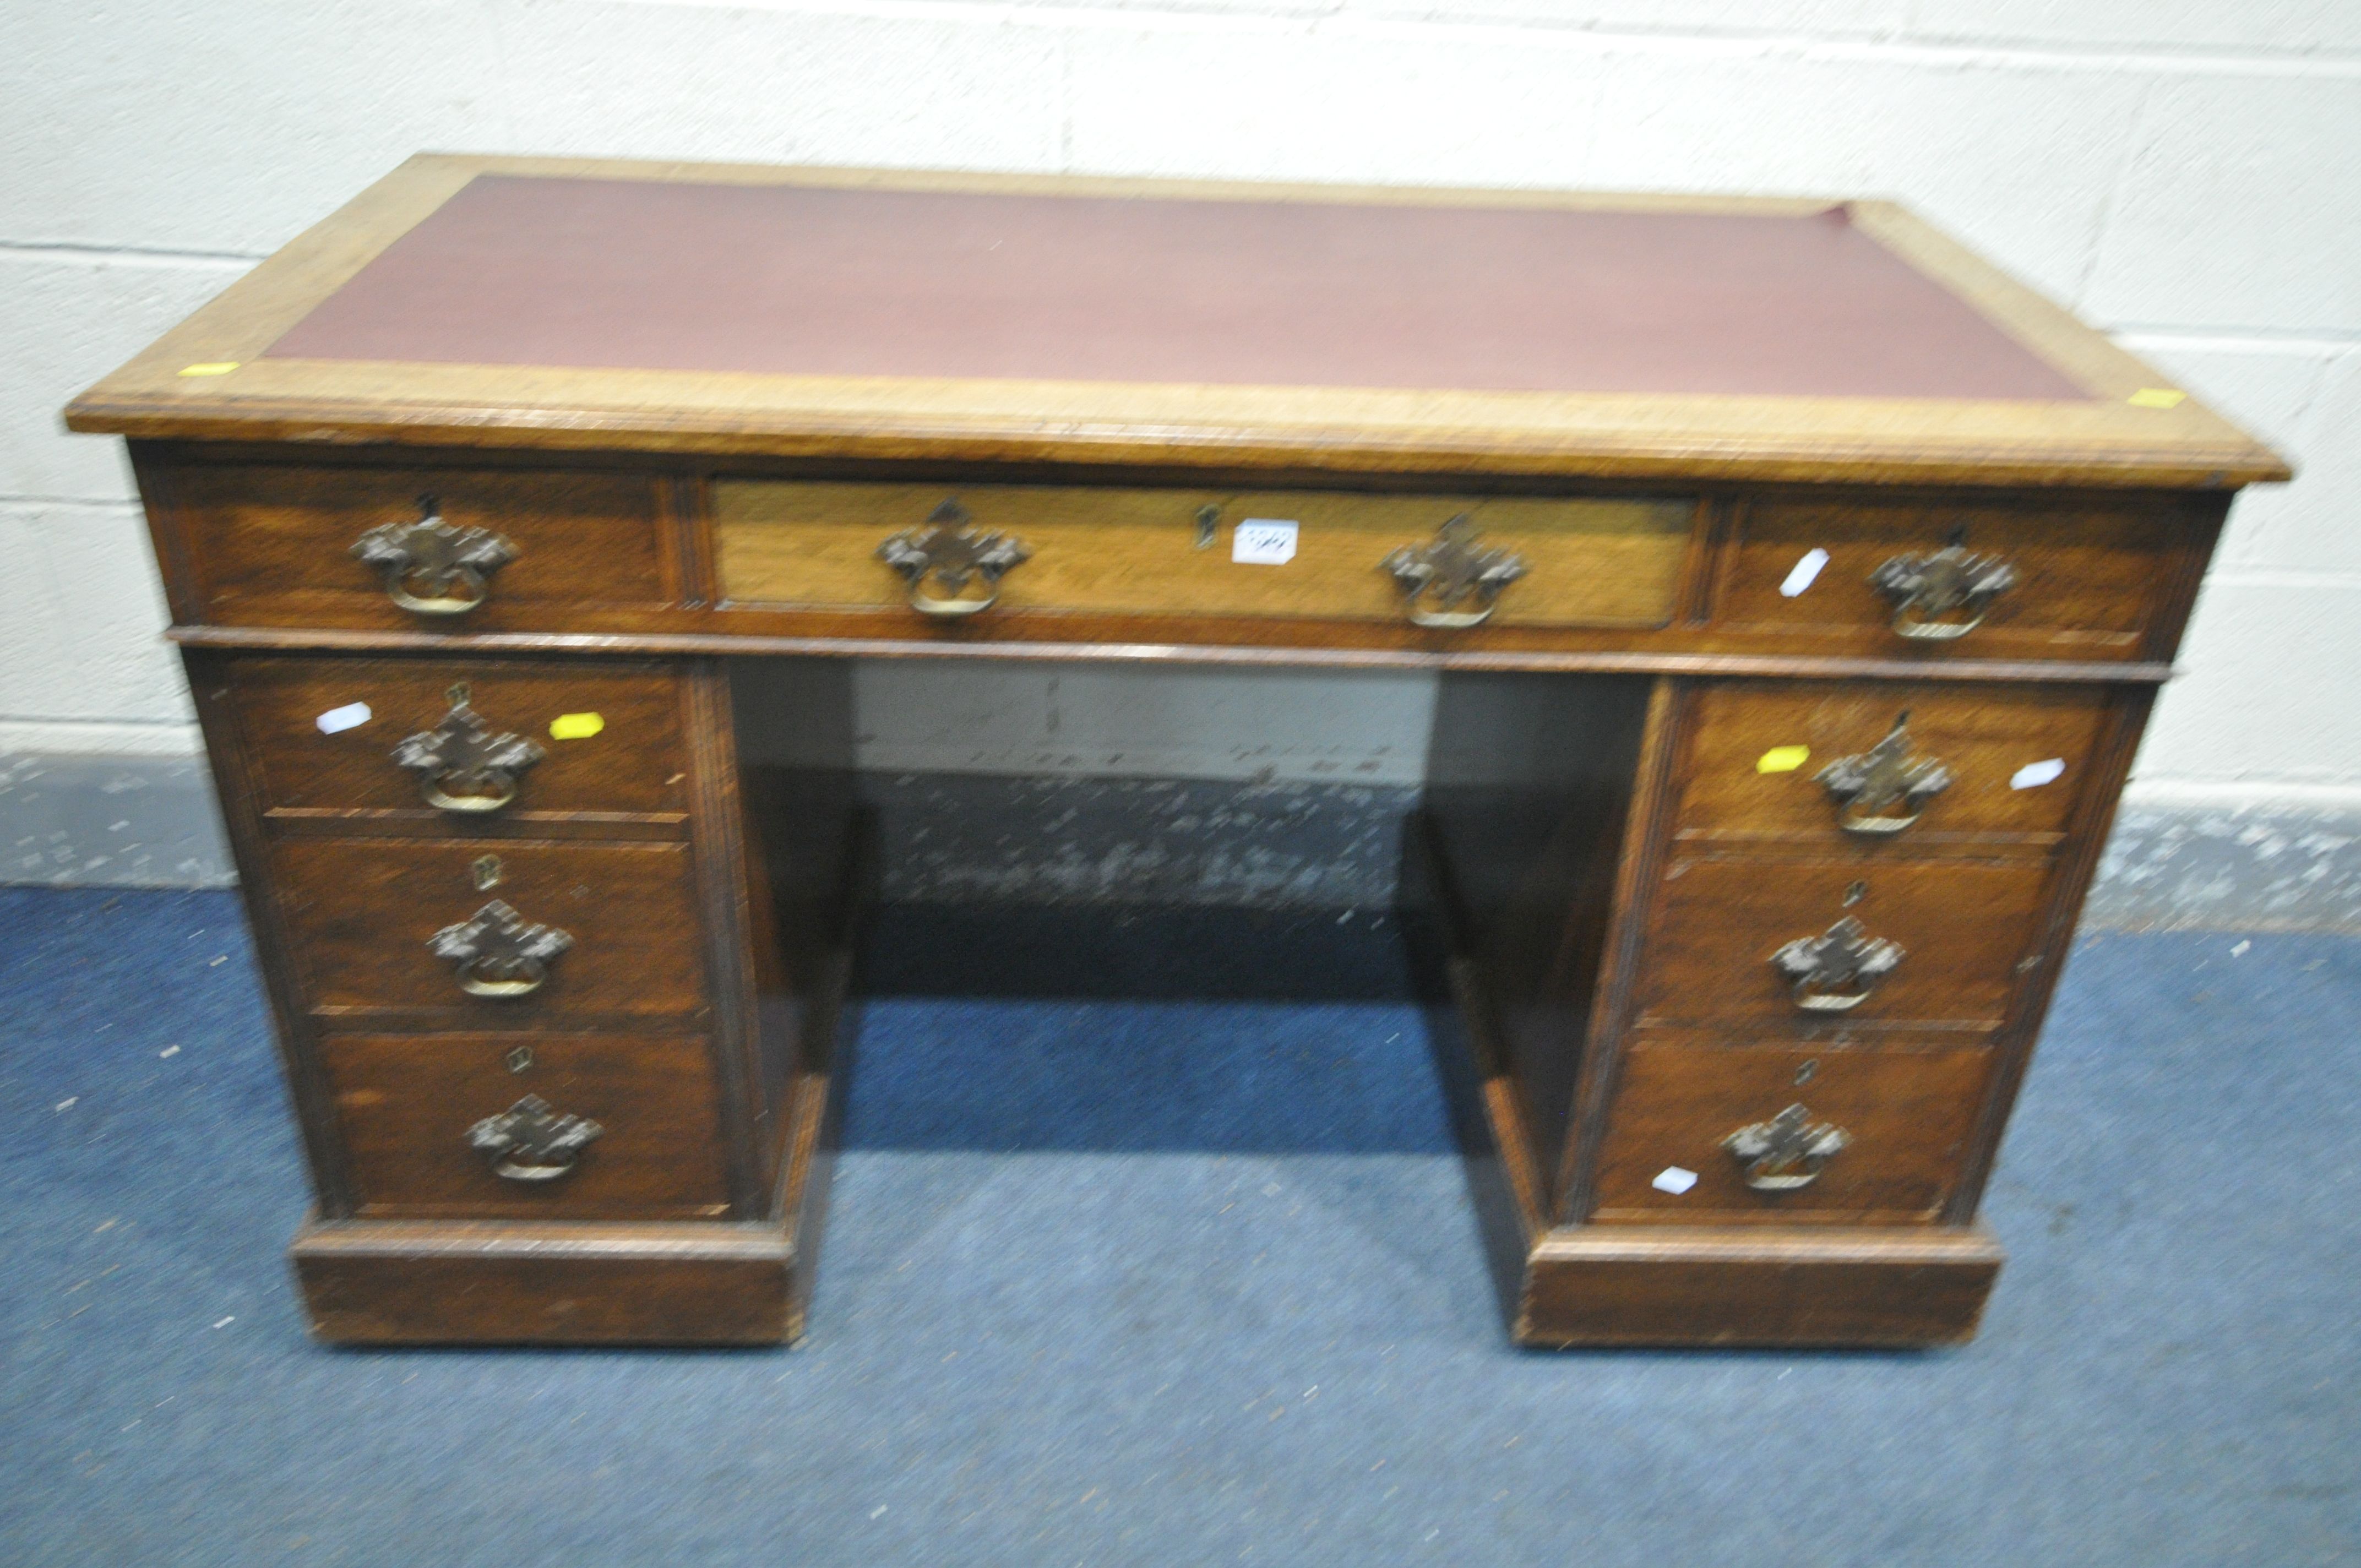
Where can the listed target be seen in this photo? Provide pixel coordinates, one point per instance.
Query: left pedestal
(559, 1034)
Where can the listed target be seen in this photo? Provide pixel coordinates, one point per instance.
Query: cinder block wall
(2185, 172)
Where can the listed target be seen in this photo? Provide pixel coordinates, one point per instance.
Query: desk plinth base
(1683, 1286)
(403, 1282)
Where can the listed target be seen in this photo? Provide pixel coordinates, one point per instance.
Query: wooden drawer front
(273, 545)
(635, 762)
(1717, 922)
(1904, 1116)
(1589, 561)
(2088, 583)
(405, 1106)
(1985, 738)
(360, 913)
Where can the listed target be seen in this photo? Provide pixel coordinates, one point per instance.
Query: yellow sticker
(211, 367)
(576, 726)
(2157, 398)
(1781, 759)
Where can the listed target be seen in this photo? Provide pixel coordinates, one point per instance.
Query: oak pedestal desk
(1798, 584)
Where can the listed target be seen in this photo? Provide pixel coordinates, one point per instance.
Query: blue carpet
(1176, 1282)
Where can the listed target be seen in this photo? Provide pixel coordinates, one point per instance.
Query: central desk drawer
(618, 929)
(1586, 561)
(644, 1140)
(1963, 931)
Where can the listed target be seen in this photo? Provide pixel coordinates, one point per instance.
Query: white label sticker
(1804, 573)
(2033, 775)
(352, 716)
(1262, 541)
(1674, 1179)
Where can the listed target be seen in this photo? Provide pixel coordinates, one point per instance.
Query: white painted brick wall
(2186, 172)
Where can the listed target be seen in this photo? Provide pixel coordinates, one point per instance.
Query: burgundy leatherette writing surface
(804, 280)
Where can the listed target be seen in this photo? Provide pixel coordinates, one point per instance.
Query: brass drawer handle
(1786, 1152)
(462, 766)
(949, 553)
(1867, 785)
(1836, 972)
(497, 952)
(1949, 582)
(1436, 579)
(453, 566)
(527, 1143)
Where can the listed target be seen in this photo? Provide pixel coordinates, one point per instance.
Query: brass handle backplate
(1786, 1152)
(948, 553)
(1885, 789)
(430, 567)
(497, 952)
(1940, 596)
(1440, 582)
(462, 766)
(529, 1142)
(1836, 972)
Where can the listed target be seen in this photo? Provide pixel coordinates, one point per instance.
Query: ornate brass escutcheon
(1786, 1152)
(453, 566)
(1836, 972)
(1437, 578)
(949, 552)
(528, 1141)
(1950, 582)
(499, 952)
(462, 766)
(1866, 785)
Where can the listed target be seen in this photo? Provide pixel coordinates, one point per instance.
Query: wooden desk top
(845, 313)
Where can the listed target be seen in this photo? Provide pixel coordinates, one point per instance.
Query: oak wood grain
(540, 1282)
(726, 931)
(634, 766)
(1718, 919)
(1982, 736)
(1529, 783)
(1908, 1109)
(2078, 865)
(1601, 595)
(2090, 582)
(359, 913)
(1609, 655)
(1131, 552)
(2104, 440)
(271, 545)
(231, 761)
(1877, 1286)
(1638, 866)
(404, 1104)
